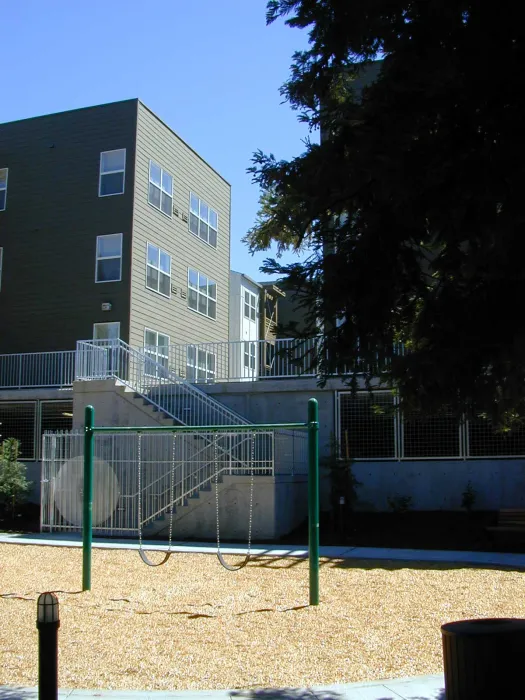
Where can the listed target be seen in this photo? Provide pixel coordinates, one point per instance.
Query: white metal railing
(253, 360)
(149, 375)
(223, 361)
(37, 369)
(194, 458)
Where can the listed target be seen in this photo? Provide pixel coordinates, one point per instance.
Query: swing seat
(229, 567)
(147, 560)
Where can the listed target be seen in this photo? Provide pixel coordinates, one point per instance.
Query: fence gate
(193, 458)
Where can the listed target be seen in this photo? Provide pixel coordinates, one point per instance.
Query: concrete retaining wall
(438, 485)
(279, 505)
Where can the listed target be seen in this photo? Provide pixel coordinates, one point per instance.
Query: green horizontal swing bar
(201, 428)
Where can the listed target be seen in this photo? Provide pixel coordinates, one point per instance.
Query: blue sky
(210, 68)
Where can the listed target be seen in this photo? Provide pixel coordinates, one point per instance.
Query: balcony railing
(37, 369)
(251, 360)
(197, 363)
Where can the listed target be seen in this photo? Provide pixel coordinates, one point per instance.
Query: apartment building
(111, 226)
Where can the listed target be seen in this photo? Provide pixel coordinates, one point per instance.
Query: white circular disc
(69, 488)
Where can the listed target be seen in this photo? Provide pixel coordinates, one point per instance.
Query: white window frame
(4, 189)
(200, 218)
(108, 257)
(160, 272)
(250, 354)
(169, 194)
(155, 355)
(207, 296)
(1, 261)
(112, 172)
(106, 323)
(210, 375)
(252, 305)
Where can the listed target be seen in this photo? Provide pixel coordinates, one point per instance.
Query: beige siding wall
(172, 316)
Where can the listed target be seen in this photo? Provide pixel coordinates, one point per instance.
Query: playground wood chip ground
(192, 625)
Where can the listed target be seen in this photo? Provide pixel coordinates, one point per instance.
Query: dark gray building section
(48, 231)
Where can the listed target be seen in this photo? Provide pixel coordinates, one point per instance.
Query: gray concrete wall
(438, 485)
(279, 505)
(114, 404)
(432, 484)
(281, 401)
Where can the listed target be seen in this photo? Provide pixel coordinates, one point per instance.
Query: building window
(249, 355)
(109, 258)
(3, 188)
(202, 294)
(160, 194)
(18, 420)
(112, 171)
(156, 348)
(158, 270)
(200, 365)
(106, 331)
(250, 305)
(204, 221)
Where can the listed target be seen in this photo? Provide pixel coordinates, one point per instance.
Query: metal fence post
(313, 499)
(87, 519)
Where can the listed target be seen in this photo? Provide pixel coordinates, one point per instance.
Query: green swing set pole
(87, 519)
(313, 499)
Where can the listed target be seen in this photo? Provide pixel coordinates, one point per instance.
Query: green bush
(468, 497)
(14, 486)
(399, 504)
(343, 482)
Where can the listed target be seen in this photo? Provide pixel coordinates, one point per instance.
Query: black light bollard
(47, 623)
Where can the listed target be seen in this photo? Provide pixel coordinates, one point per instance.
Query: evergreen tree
(411, 205)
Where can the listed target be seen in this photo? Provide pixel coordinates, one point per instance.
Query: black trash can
(484, 659)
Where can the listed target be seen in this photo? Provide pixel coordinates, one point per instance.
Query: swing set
(312, 426)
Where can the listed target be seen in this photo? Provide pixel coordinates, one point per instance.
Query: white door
(249, 334)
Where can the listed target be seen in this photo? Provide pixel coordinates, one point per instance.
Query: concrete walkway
(429, 556)
(422, 688)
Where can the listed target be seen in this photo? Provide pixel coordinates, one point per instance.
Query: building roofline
(67, 111)
(246, 277)
(137, 100)
(183, 141)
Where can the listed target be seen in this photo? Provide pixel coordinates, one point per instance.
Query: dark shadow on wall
(16, 692)
(383, 693)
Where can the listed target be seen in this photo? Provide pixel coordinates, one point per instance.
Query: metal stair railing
(149, 376)
(230, 459)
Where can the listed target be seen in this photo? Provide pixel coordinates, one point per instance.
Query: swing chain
(216, 462)
(252, 460)
(139, 470)
(250, 516)
(172, 491)
(168, 552)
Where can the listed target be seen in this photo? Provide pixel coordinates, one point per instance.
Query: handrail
(148, 377)
(55, 368)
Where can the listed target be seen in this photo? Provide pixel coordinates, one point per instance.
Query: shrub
(14, 486)
(468, 497)
(399, 504)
